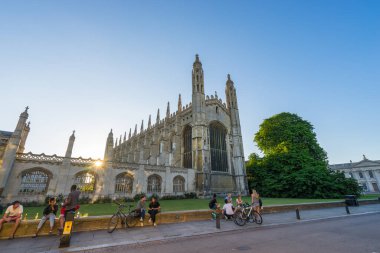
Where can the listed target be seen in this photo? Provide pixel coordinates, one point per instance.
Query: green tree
(294, 164)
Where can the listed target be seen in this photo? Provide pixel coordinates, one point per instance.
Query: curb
(149, 242)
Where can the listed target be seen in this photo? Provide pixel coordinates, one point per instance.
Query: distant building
(197, 148)
(366, 172)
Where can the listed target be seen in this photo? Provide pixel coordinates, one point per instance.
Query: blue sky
(96, 65)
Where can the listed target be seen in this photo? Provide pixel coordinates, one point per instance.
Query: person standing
(255, 200)
(154, 209)
(70, 205)
(13, 214)
(50, 213)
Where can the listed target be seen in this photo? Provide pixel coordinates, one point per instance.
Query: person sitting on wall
(213, 204)
(154, 209)
(70, 205)
(49, 213)
(140, 208)
(13, 214)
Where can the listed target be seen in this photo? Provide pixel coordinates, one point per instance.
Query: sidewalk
(97, 239)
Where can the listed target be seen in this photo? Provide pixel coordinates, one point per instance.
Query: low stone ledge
(27, 228)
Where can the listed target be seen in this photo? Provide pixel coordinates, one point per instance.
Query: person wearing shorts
(13, 214)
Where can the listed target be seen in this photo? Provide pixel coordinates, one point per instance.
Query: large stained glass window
(187, 144)
(218, 147)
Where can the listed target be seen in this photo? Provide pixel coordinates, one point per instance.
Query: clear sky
(96, 65)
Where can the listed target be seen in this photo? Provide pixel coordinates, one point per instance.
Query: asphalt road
(353, 234)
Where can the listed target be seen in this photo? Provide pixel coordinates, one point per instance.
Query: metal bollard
(347, 210)
(68, 227)
(217, 211)
(298, 214)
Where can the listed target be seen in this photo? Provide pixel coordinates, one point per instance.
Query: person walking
(154, 209)
(50, 213)
(13, 214)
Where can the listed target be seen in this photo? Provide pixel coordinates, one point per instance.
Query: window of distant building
(154, 184)
(85, 181)
(178, 184)
(34, 181)
(124, 183)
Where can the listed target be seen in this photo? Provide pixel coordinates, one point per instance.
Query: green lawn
(178, 205)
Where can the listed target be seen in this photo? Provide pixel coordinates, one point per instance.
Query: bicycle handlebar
(122, 205)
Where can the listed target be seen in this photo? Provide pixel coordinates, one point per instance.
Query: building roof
(5, 133)
(363, 163)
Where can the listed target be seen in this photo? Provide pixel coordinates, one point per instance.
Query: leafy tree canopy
(294, 165)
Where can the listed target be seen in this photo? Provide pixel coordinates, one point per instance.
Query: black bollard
(217, 211)
(347, 210)
(68, 227)
(298, 214)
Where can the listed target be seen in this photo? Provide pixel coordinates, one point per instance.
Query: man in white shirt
(12, 214)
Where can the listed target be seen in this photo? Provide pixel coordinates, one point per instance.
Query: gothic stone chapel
(198, 148)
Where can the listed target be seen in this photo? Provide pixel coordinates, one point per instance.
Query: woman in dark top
(154, 209)
(49, 213)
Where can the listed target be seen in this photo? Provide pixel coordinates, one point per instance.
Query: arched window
(218, 147)
(187, 144)
(124, 183)
(178, 184)
(154, 184)
(34, 182)
(85, 181)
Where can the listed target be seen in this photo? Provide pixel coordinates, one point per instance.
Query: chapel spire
(168, 111)
(179, 103)
(149, 121)
(197, 76)
(158, 116)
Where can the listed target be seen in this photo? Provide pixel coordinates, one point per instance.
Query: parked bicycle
(128, 219)
(246, 213)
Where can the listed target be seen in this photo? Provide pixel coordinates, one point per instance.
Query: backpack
(211, 204)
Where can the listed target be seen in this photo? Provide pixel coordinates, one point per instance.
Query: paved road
(352, 234)
(181, 232)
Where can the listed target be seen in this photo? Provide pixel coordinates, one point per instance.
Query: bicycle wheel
(112, 224)
(131, 220)
(238, 218)
(258, 218)
(251, 218)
